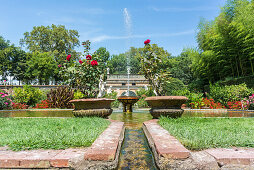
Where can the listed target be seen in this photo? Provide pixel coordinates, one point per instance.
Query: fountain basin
(99, 107)
(169, 106)
(127, 102)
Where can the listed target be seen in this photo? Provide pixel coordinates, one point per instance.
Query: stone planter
(166, 106)
(99, 107)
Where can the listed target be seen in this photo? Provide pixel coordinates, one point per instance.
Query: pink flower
(59, 65)
(4, 80)
(68, 57)
(80, 61)
(88, 57)
(147, 41)
(6, 103)
(4, 95)
(1, 93)
(94, 63)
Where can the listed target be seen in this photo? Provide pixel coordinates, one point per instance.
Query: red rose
(59, 65)
(68, 57)
(94, 63)
(80, 61)
(88, 57)
(147, 41)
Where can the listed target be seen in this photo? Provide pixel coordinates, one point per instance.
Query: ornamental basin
(99, 107)
(128, 101)
(169, 106)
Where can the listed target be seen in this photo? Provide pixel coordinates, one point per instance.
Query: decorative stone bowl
(99, 107)
(169, 106)
(128, 99)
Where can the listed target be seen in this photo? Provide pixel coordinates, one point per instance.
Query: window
(123, 84)
(134, 84)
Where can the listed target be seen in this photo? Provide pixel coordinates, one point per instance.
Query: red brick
(166, 145)
(104, 148)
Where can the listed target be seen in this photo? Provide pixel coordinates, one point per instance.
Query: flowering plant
(151, 66)
(83, 74)
(5, 101)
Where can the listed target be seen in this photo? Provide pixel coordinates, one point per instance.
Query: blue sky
(172, 24)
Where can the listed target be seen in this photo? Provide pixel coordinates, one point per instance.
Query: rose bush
(84, 74)
(151, 67)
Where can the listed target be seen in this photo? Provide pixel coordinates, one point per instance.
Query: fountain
(128, 98)
(128, 101)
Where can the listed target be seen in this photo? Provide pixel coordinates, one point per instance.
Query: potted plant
(158, 77)
(85, 75)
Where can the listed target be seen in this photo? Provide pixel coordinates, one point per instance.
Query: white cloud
(108, 37)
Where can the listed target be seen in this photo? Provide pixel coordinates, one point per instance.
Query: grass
(50, 133)
(203, 133)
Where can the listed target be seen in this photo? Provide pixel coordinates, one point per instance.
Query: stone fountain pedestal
(166, 106)
(99, 107)
(128, 102)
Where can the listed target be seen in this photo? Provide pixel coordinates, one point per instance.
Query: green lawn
(202, 133)
(50, 133)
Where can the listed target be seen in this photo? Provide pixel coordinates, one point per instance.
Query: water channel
(135, 152)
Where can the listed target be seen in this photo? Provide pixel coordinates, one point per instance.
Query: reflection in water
(36, 113)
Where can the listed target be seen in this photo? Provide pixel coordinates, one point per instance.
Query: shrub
(78, 95)
(113, 95)
(195, 100)
(19, 106)
(60, 97)
(232, 93)
(43, 105)
(142, 94)
(5, 101)
(27, 95)
(173, 86)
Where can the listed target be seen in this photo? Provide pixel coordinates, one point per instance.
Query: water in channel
(135, 151)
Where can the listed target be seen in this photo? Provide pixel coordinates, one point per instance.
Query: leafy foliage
(154, 68)
(5, 101)
(60, 97)
(52, 38)
(27, 95)
(113, 95)
(226, 43)
(84, 75)
(225, 94)
(142, 94)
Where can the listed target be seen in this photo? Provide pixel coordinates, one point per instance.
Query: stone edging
(169, 153)
(103, 153)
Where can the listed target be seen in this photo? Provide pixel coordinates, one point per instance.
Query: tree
(41, 67)
(12, 60)
(227, 43)
(52, 38)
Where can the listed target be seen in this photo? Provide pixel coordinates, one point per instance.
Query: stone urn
(99, 107)
(169, 106)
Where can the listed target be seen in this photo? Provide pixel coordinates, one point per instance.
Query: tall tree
(52, 38)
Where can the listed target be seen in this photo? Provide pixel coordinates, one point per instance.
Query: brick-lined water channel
(135, 151)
